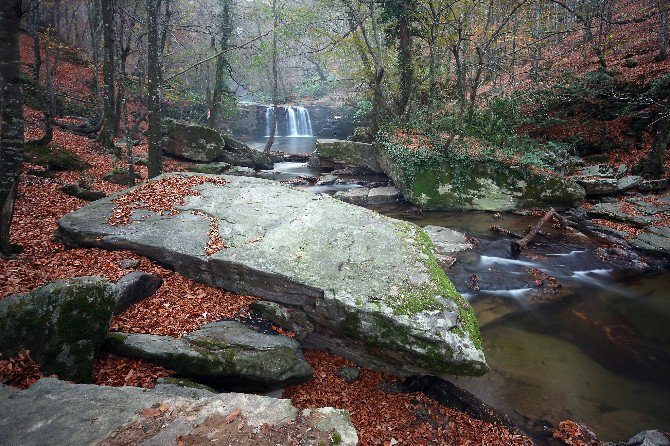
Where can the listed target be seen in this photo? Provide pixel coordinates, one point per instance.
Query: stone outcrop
(202, 144)
(58, 413)
(63, 324)
(134, 287)
(369, 285)
(224, 355)
(433, 181)
(337, 153)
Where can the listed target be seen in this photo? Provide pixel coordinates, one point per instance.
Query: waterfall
(297, 118)
(292, 122)
(268, 122)
(304, 122)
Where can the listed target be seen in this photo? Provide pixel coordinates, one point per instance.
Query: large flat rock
(369, 285)
(54, 412)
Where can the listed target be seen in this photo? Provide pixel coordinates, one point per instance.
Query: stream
(594, 348)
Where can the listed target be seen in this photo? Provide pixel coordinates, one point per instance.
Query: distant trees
(154, 77)
(11, 117)
(273, 125)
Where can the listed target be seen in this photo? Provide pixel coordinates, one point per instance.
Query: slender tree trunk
(273, 127)
(405, 58)
(107, 130)
(663, 35)
(11, 116)
(655, 168)
(153, 89)
(221, 65)
(35, 33)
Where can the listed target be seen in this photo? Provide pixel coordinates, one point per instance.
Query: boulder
(224, 355)
(134, 287)
(59, 413)
(120, 176)
(607, 185)
(191, 141)
(202, 144)
(370, 197)
(54, 157)
(83, 193)
(63, 324)
(338, 153)
(463, 181)
(240, 154)
(369, 285)
(447, 241)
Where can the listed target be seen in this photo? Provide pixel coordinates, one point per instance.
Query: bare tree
(108, 90)
(154, 77)
(273, 126)
(11, 116)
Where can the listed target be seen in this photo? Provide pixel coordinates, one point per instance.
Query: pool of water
(286, 144)
(596, 350)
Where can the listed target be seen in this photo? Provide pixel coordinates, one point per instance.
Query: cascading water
(268, 122)
(292, 122)
(298, 122)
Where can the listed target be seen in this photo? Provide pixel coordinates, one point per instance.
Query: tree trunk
(108, 92)
(405, 58)
(153, 89)
(655, 162)
(221, 66)
(273, 127)
(11, 116)
(663, 35)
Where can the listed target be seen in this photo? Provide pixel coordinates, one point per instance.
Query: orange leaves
(19, 371)
(573, 434)
(161, 196)
(383, 418)
(111, 370)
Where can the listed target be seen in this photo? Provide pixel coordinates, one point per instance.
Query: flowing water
(292, 121)
(596, 350)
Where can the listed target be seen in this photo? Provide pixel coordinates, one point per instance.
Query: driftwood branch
(518, 245)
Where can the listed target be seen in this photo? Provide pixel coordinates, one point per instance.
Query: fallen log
(518, 245)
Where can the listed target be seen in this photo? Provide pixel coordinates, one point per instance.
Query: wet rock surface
(370, 197)
(390, 309)
(639, 221)
(56, 412)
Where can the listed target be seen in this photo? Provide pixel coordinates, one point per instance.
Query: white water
(298, 122)
(488, 261)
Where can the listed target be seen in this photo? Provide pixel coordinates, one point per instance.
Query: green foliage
(335, 437)
(314, 87)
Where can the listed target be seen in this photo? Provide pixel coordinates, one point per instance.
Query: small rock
(120, 176)
(653, 185)
(649, 438)
(135, 287)
(80, 192)
(349, 374)
(129, 263)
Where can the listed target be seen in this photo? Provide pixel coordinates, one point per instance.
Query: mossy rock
(337, 153)
(224, 355)
(120, 176)
(460, 182)
(63, 324)
(191, 141)
(54, 157)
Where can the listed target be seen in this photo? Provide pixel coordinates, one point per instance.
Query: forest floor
(182, 305)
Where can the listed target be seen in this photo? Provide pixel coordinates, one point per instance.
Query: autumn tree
(106, 134)
(222, 65)
(154, 78)
(11, 116)
(275, 28)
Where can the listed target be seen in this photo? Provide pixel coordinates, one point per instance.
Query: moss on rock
(63, 324)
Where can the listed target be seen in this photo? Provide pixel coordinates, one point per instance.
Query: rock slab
(59, 413)
(63, 324)
(369, 285)
(338, 153)
(224, 355)
(134, 287)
